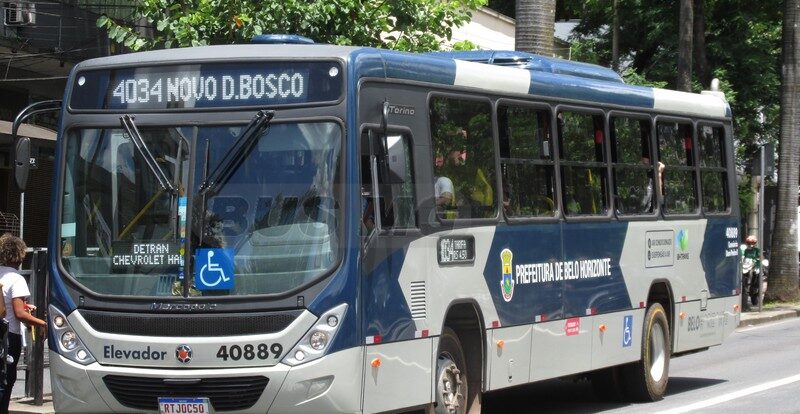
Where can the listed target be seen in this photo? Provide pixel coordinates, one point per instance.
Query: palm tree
(685, 43)
(783, 279)
(535, 26)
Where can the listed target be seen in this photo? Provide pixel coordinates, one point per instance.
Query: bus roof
(551, 78)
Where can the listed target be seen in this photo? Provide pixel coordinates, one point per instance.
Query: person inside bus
(647, 201)
(18, 312)
(443, 190)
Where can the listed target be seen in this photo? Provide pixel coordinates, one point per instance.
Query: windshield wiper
(133, 132)
(238, 152)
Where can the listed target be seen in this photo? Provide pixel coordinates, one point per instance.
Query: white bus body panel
(321, 386)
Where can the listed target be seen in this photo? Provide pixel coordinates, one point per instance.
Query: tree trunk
(699, 34)
(615, 38)
(783, 278)
(684, 80)
(535, 26)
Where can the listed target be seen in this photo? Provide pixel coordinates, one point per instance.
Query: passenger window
(463, 163)
(583, 163)
(675, 147)
(395, 189)
(713, 174)
(526, 162)
(634, 185)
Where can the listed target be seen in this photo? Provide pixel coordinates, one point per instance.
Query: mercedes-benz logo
(183, 353)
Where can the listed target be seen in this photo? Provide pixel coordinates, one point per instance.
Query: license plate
(183, 406)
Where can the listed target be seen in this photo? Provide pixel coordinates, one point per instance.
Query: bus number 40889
(249, 351)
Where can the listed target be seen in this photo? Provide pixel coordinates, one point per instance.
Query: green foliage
(746, 196)
(412, 25)
(465, 45)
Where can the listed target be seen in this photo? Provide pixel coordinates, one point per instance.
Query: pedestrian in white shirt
(15, 295)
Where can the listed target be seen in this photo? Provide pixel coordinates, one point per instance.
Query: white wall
(488, 29)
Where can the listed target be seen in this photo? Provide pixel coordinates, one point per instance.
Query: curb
(768, 317)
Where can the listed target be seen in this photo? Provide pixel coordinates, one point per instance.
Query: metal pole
(21, 215)
(761, 225)
(34, 375)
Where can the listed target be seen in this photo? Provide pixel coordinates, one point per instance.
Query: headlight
(69, 344)
(69, 340)
(317, 340)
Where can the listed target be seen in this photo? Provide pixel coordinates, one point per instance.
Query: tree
(700, 57)
(742, 39)
(535, 27)
(784, 269)
(685, 43)
(414, 25)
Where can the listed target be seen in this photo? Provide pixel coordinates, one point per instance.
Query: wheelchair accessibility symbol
(627, 331)
(213, 269)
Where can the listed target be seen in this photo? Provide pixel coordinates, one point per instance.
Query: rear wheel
(452, 386)
(646, 380)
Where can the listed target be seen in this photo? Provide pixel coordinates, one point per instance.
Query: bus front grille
(189, 325)
(224, 394)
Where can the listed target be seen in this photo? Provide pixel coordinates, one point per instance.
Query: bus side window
(526, 162)
(463, 164)
(713, 176)
(676, 152)
(634, 183)
(395, 190)
(583, 163)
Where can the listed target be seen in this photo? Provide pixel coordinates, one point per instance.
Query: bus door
(388, 226)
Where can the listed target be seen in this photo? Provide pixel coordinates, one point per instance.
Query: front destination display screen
(207, 85)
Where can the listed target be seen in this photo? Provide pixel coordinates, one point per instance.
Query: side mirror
(395, 159)
(22, 163)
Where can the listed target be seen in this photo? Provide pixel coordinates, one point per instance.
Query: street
(757, 369)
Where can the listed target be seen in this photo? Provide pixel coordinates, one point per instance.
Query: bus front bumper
(331, 384)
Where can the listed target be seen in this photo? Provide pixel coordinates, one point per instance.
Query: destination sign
(145, 257)
(456, 250)
(209, 85)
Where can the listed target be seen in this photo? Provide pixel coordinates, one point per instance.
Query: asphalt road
(756, 370)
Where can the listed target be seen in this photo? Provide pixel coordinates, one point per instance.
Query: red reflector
(683, 298)
(641, 304)
(377, 339)
(495, 324)
(424, 333)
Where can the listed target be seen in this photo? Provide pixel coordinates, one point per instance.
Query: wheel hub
(450, 386)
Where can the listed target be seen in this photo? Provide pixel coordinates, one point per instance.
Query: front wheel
(646, 380)
(452, 391)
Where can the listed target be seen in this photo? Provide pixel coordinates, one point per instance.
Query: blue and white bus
(297, 228)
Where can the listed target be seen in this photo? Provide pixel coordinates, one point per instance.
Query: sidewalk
(25, 405)
(767, 316)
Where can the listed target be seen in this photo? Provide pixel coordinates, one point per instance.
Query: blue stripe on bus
(385, 308)
(584, 89)
(722, 271)
(533, 244)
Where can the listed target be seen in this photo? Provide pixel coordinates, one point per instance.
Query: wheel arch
(661, 292)
(466, 319)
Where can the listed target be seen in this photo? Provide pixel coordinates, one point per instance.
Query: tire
(646, 380)
(453, 394)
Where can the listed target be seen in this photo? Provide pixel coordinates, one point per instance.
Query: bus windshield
(275, 219)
